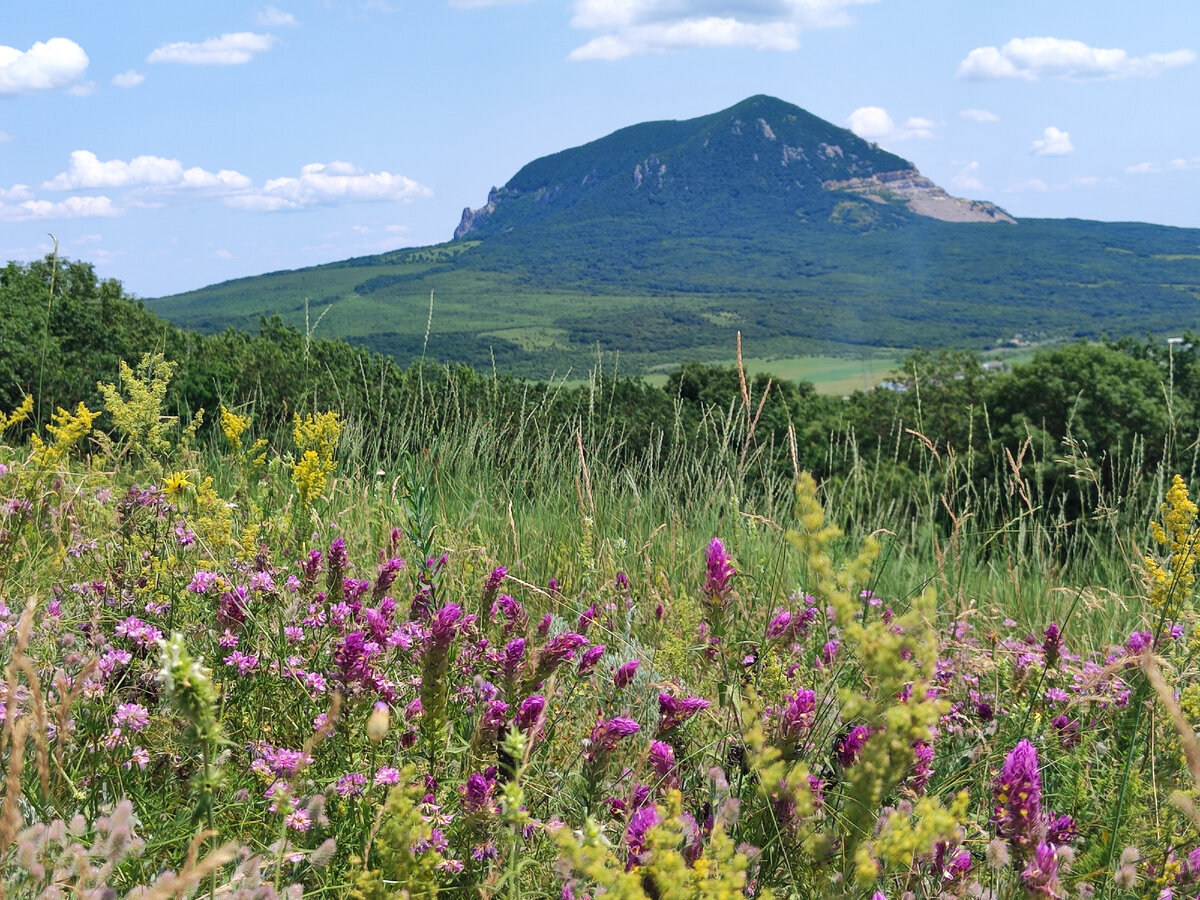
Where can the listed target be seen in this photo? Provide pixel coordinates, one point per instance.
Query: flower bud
(377, 724)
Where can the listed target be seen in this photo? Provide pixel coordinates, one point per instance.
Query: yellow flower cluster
(18, 415)
(253, 458)
(316, 438)
(66, 429)
(1171, 583)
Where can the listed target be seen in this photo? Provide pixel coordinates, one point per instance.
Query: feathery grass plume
(403, 854)
(316, 438)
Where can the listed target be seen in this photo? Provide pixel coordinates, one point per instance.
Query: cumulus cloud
(654, 26)
(979, 115)
(86, 170)
(1046, 57)
(1053, 142)
(1179, 164)
(330, 184)
(70, 208)
(967, 177)
(873, 123)
(130, 78)
(270, 17)
(226, 50)
(16, 193)
(56, 63)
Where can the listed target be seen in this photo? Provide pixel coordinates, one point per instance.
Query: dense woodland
(1078, 421)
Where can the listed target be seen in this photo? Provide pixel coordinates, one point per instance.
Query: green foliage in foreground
(246, 668)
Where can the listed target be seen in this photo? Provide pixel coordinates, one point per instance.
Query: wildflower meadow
(261, 663)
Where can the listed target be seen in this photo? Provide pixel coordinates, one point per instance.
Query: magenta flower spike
(719, 573)
(1018, 792)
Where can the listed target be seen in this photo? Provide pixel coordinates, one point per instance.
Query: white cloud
(873, 123)
(83, 89)
(967, 178)
(979, 115)
(5, 137)
(222, 253)
(1037, 57)
(226, 50)
(56, 63)
(1053, 142)
(332, 184)
(654, 26)
(128, 79)
(16, 193)
(270, 17)
(71, 208)
(1179, 164)
(86, 170)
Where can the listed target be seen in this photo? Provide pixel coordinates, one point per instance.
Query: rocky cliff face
(921, 196)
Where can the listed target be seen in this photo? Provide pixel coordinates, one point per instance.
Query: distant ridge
(762, 163)
(662, 241)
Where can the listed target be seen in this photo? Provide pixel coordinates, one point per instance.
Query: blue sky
(176, 145)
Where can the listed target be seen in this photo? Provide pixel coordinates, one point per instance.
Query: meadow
(508, 657)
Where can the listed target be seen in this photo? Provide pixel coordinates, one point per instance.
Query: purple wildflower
(477, 793)
(719, 573)
(491, 587)
(640, 823)
(444, 625)
(351, 784)
(1052, 643)
(1018, 793)
(625, 672)
(780, 625)
(851, 745)
(662, 761)
(674, 711)
(514, 653)
(530, 711)
(1040, 877)
(589, 659)
(797, 716)
(605, 734)
(388, 573)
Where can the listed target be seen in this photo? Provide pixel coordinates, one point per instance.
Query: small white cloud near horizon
(1179, 164)
(979, 115)
(130, 78)
(56, 63)
(86, 170)
(329, 184)
(634, 27)
(1053, 142)
(1032, 58)
(222, 253)
(226, 50)
(873, 123)
(272, 17)
(70, 208)
(967, 178)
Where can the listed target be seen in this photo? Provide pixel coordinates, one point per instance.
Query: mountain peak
(761, 163)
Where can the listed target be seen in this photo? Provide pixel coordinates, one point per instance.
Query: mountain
(664, 239)
(762, 163)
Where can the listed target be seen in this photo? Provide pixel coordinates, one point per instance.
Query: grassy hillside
(546, 299)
